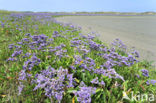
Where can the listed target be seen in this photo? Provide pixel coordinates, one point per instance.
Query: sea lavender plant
(54, 82)
(145, 72)
(84, 94)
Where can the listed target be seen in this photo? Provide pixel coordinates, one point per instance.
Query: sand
(134, 31)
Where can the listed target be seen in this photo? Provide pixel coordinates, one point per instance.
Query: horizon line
(79, 11)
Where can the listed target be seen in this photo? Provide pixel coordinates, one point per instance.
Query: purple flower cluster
(110, 55)
(118, 44)
(96, 81)
(86, 64)
(16, 52)
(56, 34)
(136, 54)
(24, 74)
(38, 42)
(93, 45)
(111, 73)
(20, 88)
(35, 42)
(83, 50)
(11, 46)
(2, 24)
(145, 72)
(153, 82)
(30, 63)
(76, 42)
(84, 94)
(59, 51)
(54, 82)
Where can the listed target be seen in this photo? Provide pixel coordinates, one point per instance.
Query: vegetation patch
(43, 61)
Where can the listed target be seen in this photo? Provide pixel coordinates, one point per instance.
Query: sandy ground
(134, 31)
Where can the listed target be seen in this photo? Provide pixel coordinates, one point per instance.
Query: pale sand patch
(137, 31)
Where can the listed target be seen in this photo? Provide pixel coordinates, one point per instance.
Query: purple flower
(108, 64)
(72, 67)
(102, 83)
(25, 40)
(94, 45)
(43, 37)
(119, 44)
(63, 45)
(148, 82)
(125, 63)
(137, 75)
(51, 39)
(56, 34)
(100, 71)
(82, 84)
(29, 64)
(22, 75)
(95, 81)
(153, 82)
(52, 50)
(145, 72)
(11, 46)
(17, 47)
(16, 53)
(90, 37)
(11, 59)
(27, 55)
(136, 54)
(54, 81)
(20, 88)
(42, 81)
(70, 78)
(20, 43)
(84, 94)
(2, 24)
(76, 42)
(59, 96)
(27, 34)
(58, 47)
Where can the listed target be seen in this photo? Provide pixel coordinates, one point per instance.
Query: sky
(79, 5)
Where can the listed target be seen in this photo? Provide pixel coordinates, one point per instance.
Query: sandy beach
(134, 31)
